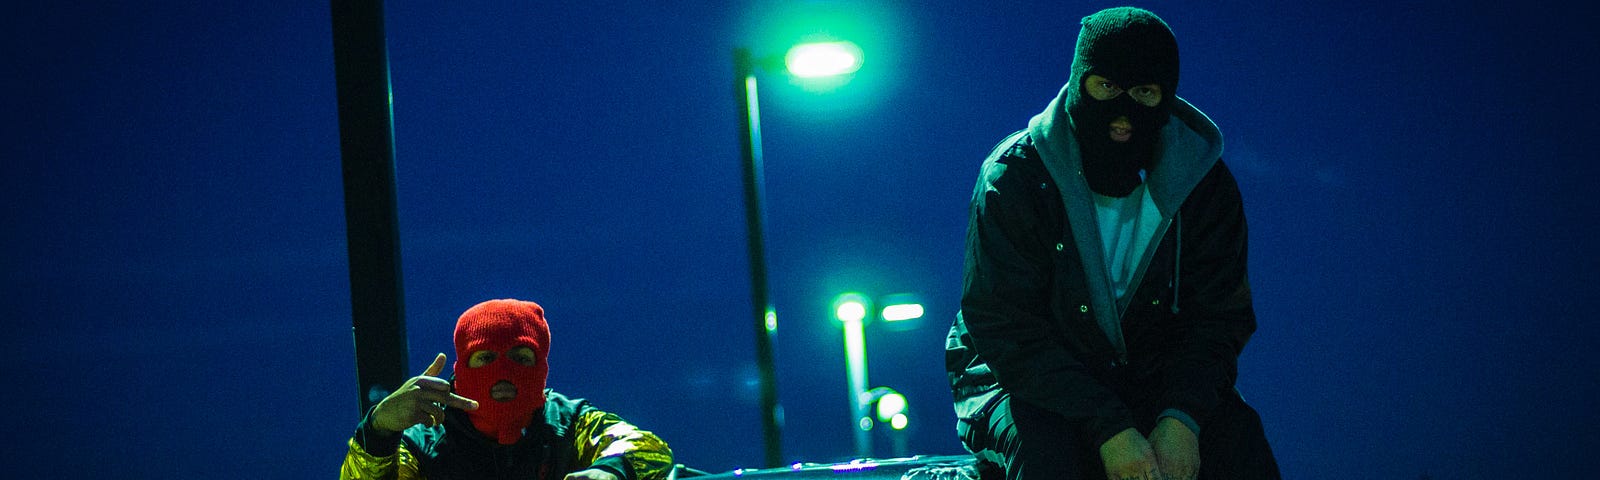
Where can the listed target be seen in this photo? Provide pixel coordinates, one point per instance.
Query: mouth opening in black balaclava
(1128, 47)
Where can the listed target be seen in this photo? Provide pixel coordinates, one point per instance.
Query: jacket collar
(1190, 145)
(544, 427)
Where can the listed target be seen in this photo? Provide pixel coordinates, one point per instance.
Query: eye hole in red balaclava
(501, 352)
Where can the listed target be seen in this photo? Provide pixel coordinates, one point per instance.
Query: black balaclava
(1129, 47)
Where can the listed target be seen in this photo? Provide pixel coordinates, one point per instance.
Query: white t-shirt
(1127, 225)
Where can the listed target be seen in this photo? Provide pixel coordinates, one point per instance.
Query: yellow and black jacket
(570, 436)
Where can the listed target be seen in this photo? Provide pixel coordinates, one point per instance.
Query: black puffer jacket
(1037, 317)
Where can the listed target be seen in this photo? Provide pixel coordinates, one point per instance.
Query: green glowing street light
(851, 309)
(810, 60)
(891, 405)
(823, 59)
(892, 408)
(902, 312)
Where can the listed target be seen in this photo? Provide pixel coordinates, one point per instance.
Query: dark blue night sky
(175, 294)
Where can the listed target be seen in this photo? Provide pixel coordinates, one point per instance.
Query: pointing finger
(448, 399)
(436, 367)
(431, 383)
(461, 402)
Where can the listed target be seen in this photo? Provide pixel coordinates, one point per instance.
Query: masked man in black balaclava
(1105, 300)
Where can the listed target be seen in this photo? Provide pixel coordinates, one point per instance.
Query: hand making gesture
(422, 399)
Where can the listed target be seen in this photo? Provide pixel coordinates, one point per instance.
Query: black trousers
(1025, 441)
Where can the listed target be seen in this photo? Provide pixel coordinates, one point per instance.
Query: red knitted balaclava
(499, 326)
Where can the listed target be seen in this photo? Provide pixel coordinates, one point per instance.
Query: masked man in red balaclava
(1105, 300)
(496, 419)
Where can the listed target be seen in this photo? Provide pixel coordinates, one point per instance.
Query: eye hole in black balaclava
(1129, 47)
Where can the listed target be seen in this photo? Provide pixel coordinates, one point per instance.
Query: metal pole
(855, 360)
(765, 321)
(366, 144)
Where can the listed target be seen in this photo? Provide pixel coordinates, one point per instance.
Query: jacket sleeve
(1005, 302)
(1214, 304)
(603, 440)
(376, 455)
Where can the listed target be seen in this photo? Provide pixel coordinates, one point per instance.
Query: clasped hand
(1171, 453)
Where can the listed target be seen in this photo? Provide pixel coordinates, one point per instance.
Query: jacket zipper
(1138, 278)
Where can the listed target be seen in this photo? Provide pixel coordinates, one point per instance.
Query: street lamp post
(765, 319)
(372, 232)
(852, 312)
(806, 60)
(851, 309)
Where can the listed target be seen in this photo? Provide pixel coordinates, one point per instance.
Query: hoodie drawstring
(1177, 258)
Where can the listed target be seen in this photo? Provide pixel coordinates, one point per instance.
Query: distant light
(865, 423)
(854, 465)
(899, 422)
(904, 311)
(823, 59)
(890, 405)
(376, 393)
(850, 311)
(796, 466)
(772, 321)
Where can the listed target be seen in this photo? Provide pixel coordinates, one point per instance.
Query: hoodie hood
(1188, 146)
(1187, 149)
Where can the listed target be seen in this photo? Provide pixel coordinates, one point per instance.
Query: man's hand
(422, 399)
(1177, 449)
(591, 474)
(1128, 456)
